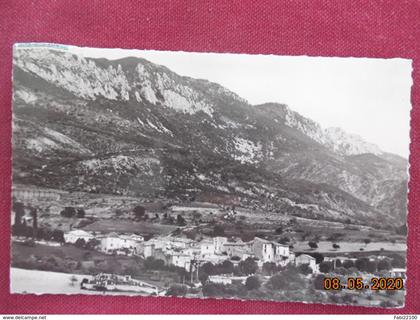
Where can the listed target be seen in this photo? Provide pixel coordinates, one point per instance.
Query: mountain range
(132, 127)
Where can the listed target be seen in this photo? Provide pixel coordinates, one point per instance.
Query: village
(211, 264)
(189, 254)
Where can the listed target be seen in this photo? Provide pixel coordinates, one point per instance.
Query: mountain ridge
(132, 127)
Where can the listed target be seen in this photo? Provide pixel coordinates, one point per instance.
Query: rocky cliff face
(335, 139)
(132, 127)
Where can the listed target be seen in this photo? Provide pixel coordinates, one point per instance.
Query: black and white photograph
(209, 175)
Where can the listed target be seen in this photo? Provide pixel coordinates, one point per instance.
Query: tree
(92, 244)
(292, 221)
(19, 210)
(367, 241)
(325, 267)
(28, 231)
(362, 264)
(402, 230)
(305, 269)
(154, 264)
(58, 236)
(87, 255)
(226, 267)
(19, 229)
(338, 263)
(84, 281)
(348, 264)
(312, 244)
(318, 282)
(180, 220)
(73, 280)
(177, 290)
(318, 257)
(335, 236)
(372, 266)
(47, 234)
(170, 219)
(341, 270)
(269, 268)
(202, 276)
(209, 268)
(196, 215)
(68, 212)
(247, 236)
(248, 266)
(286, 280)
(139, 212)
(34, 215)
(384, 264)
(191, 234)
(284, 240)
(278, 282)
(279, 230)
(80, 243)
(398, 261)
(81, 213)
(218, 231)
(213, 289)
(252, 283)
(335, 246)
(40, 234)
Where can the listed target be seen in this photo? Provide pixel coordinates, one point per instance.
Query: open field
(70, 259)
(106, 213)
(65, 259)
(41, 282)
(130, 226)
(65, 251)
(326, 247)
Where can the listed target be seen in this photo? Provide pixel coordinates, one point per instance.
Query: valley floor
(38, 282)
(349, 247)
(47, 282)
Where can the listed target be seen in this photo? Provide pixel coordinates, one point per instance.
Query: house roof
(233, 244)
(306, 256)
(112, 235)
(175, 239)
(36, 189)
(234, 240)
(206, 242)
(261, 240)
(79, 232)
(131, 237)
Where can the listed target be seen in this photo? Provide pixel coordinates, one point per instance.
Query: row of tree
(288, 279)
(140, 214)
(90, 245)
(246, 267)
(362, 264)
(41, 233)
(71, 212)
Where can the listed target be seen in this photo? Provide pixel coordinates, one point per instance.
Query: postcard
(234, 176)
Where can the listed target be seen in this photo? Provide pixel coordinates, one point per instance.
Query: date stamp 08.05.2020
(358, 283)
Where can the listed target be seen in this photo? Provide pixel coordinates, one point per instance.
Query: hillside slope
(131, 127)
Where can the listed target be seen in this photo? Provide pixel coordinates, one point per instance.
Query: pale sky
(368, 97)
